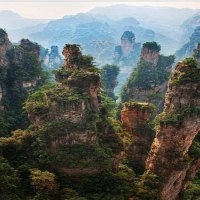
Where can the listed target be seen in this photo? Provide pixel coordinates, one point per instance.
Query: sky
(49, 9)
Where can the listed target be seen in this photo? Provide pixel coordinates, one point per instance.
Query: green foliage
(140, 106)
(109, 74)
(152, 46)
(147, 187)
(4, 125)
(146, 76)
(175, 118)
(2, 32)
(191, 62)
(53, 129)
(76, 156)
(188, 73)
(108, 106)
(194, 150)
(43, 180)
(41, 154)
(193, 189)
(70, 194)
(106, 185)
(8, 181)
(38, 102)
(24, 75)
(86, 61)
(145, 81)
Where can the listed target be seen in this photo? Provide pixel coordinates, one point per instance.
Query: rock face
(148, 82)
(178, 126)
(134, 117)
(20, 74)
(188, 48)
(67, 113)
(5, 46)
(51, 60)
(150, 55)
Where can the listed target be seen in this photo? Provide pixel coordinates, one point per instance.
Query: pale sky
(53, 10)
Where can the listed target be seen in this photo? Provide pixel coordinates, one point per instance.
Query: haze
(53, 10)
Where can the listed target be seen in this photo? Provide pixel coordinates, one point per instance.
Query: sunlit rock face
(68, 116)
(134, 117)
(150, 55)
(148, 81)
(179, 124)
(73, 77)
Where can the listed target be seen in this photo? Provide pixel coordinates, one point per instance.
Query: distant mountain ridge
(98, 31)
(10, 21)
(160, 19)
(92, 31)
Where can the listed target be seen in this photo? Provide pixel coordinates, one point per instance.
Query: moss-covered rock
(148, 81)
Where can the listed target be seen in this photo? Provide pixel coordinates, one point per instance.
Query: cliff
(68, 115)
(21, 74)
(5, 46)
(148, 81)
(135, 121)
(170, 157)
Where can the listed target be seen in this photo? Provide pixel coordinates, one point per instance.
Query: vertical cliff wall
(148, 81)
(134, 117)
(5, 46)
(178, 125)
(20, 74)
(71, 119)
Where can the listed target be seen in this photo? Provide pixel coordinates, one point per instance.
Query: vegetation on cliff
(152, 45)
(148, 80)
(71, 135)
(74, 148)
(174, 155)
(109, 74)
(24, 75)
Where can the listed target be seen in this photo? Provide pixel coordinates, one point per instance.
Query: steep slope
(71, 108)
(21, 74)
(71, 148)
(188, 48)
(170, 157)
(10, 20)
(148, 81)
(189, 25)
(135, 122)
(5, 46)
